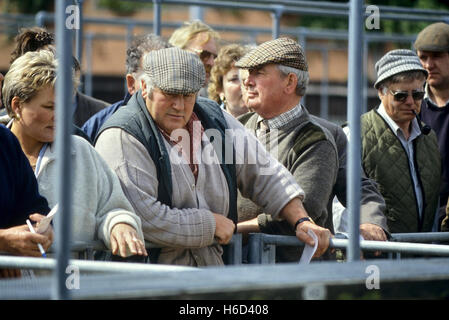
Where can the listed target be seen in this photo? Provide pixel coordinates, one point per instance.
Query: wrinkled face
(402, 111)
(264, 88)
(207, 51)
(233, 93)
(437, 65)
(169, 111)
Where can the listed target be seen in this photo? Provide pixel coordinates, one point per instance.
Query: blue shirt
(92, 126)
(19, 195)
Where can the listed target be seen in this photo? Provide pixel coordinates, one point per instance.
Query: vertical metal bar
(324, 98)
(354, 105)
(64, 98)
(79, 32)
(40, 19)
(157, 17)
(254, 248)
(196, 13)
(88, 86)
(365, 77)
(276, 16)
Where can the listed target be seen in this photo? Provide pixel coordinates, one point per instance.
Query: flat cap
(397, 61)
(434, 37)
(175, 71)
(283, 51)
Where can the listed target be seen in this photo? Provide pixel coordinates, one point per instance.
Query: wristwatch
(301, 220)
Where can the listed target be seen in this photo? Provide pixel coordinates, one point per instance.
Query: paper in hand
(309, 251)
(45, 222)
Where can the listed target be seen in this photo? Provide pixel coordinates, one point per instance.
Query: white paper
(309, 251)
(45, 222)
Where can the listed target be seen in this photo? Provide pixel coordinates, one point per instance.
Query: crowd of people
(212, 138)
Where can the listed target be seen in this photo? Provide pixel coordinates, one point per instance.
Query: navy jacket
(19, 195)
(92, 126)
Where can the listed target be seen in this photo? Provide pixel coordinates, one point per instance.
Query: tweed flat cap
(175, 71)
(397, 61)
(434, 37)
(283, 51)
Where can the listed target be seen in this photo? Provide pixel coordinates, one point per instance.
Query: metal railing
(262, 247)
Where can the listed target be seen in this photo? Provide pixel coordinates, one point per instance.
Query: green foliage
(386, 25)
(121, 8)
(29, 6)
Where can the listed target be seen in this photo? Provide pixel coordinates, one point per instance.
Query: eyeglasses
(204, 54)
(401, 96)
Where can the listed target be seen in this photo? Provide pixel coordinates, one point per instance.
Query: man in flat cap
(397, 152)
(432, 45)
(305, 142)
(275, 76)
(170, 150)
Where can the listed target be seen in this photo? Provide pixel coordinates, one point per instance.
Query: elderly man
(182, 184)
(134, 59)
(395, 153)
(275, 82)
(201, 39)
(305, 141)
(432, 45)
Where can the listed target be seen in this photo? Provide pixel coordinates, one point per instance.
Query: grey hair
(140, 46)
(407, 76)
(303, 78)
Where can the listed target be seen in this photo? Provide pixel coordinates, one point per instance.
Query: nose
(178, 102)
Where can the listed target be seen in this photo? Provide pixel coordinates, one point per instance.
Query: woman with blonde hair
(224, 86)
(100, 208)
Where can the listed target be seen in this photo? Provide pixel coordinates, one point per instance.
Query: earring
(17, 116)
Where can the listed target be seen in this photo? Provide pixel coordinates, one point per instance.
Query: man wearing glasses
(201, 39)
(432, 45)
(397, 150)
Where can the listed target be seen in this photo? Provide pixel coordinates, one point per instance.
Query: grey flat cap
(434, 37)
(397, 61)
(175, 71)
(283, 51)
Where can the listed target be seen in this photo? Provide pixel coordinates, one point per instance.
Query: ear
(292, 81)
(143, 85)
(131, 83)
(16, 105)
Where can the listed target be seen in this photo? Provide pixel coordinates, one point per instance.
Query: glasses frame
(204, 54)
(401, 96)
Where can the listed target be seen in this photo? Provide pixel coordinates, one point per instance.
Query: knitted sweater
(308, 151)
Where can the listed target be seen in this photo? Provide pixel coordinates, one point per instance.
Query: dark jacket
(19, 196)
(385, 161)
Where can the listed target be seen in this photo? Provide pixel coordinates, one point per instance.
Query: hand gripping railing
(262, 247)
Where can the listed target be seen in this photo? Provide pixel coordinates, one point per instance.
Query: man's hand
(322, 234)
(124, 236)
(21, 241)
(371, 231)
(224, 228)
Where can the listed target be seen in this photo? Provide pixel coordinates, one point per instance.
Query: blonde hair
(28, 74)
(227, 57)
(182, 36)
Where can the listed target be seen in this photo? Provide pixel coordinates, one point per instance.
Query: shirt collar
(284, 118)
(396, 129)
(428, 98)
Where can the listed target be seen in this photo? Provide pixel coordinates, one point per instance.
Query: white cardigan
(98, 202)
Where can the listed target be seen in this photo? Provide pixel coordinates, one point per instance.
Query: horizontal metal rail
(262, 247)
(86, 265)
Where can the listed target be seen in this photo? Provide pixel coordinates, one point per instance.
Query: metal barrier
(262, 247)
